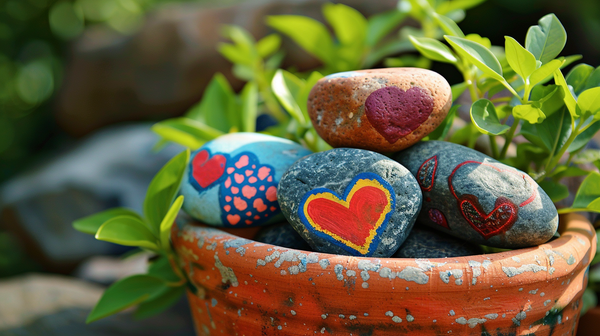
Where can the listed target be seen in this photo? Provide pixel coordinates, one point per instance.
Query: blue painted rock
(350, 201)
(474, 197)
(232, 180)
(282, 234)
(424, 242)
(384, 110)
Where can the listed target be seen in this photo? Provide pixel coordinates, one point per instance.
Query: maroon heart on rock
(395, 113)
(208, 170)
(500, 219)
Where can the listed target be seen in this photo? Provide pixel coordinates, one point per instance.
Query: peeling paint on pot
(270, 290)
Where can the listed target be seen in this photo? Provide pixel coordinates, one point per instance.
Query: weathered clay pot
(249, 288)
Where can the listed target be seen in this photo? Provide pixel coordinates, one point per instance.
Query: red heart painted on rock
(500, 219)
(206, 171)
(438, 218)
(352, 221)
(395, 113)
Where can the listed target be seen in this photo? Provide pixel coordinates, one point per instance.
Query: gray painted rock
(424, 242)
(282, 234)
(350, 201)
(474, 197)
(232, 180)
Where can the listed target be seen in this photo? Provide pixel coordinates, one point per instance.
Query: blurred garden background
(81, 84)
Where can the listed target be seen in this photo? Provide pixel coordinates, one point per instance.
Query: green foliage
(125, 293)
(163, 284)
(484, 117)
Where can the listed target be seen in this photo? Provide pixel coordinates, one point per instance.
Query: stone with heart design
(350, 201)
(383, 110)
(476, 198)
(424, 243)
(232, 180)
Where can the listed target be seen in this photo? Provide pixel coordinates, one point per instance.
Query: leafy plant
(165, 282)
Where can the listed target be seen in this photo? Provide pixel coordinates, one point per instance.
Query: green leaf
(530, 113)
(572, 171)
(484, 117)
(450, 6)
(583, 138)
(286, 86)
(310, 34)
(448, 25)
(589, 101)
(588, 195)
(551, 134)
(91, 224)
(466, 135)
(589, 300)
(161, 268)
(161, 302)
(239, 36)
(546, 40)
(433, 49)
(249, 107)
(484, 41)
(519, 59)
(458, 89)
(302, 95)
(408, 61)
(548, 98)
(555, 191)
(578, 76)
(382, 24)
(442, 130)
(124, 294)
(593, 80)
(218, 100)
(569, 99)
(544, 73)
(268, 45)
(162, 190)
(478, 55)
(186, 132)
(350, 25)
(128, 231)
(234, 54)
(167, 222)
(387, 49)
(587, 156)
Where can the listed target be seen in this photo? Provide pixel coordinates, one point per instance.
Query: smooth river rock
(350, 201)
(282, 234)
(474, 197)
(383, 110)
(424, 242)
(232, 180)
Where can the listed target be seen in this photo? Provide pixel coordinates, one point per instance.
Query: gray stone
(282, 234)
(424, 242)
(350, 201)
(474, 197)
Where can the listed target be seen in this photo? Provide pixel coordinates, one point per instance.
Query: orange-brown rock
(383, 110)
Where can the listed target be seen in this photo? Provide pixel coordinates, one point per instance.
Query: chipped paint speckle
(513, 271)
(413, 274)
(227, 273)
(397, 319)
(472, 322)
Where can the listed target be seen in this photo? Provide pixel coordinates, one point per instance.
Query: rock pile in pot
(353, 199)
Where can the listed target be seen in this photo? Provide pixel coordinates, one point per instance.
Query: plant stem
(494, 146)
(554, 161)
(568, 210)
(264, 88)
(509, 136)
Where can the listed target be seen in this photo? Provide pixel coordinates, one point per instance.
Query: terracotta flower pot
(250, 288)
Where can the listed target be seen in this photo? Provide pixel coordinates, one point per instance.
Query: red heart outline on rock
(207, 171)
(394, 113)
(500, 219)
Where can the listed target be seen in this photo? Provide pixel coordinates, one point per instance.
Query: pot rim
(575, 248)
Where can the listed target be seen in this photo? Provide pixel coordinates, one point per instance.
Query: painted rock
(282, 234)
(232, 180)
(474, 197)
(383, 110)
(350, 201)
(423, 242)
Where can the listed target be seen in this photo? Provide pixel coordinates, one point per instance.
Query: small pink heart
(395, 113)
